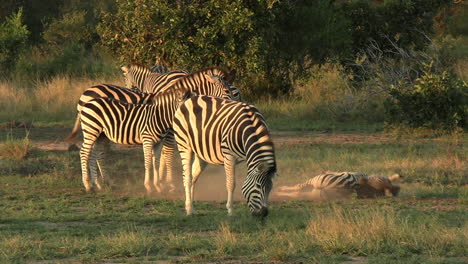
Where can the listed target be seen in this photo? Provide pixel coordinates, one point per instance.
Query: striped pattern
(125, 123)
(104, 91)
(157, 82)
(205, 82)
(135, 75)
(216, 131)
(333, 180)
(196, 82)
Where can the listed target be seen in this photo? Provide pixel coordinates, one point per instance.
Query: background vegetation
(337, 59)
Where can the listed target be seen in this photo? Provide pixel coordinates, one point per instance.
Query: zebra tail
(76, 128)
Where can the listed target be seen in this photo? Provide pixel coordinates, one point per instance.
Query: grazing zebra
(379, 186)
(125, 123)
(204, 82)
(327, 186)
(224, 132)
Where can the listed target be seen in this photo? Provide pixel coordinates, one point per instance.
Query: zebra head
(219, 85)
(135, 75)
(257, 187)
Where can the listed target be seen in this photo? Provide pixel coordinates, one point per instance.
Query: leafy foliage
(13, 39)
(435, 101)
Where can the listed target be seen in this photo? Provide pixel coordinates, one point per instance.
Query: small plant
(16, 149)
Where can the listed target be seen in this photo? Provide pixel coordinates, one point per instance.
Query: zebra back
(158, 82)
(113, 91)
(124, 122)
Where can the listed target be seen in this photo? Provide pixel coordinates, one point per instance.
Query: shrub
(437, 101)
(13, 39)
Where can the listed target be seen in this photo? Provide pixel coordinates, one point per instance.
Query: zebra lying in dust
(341, 185)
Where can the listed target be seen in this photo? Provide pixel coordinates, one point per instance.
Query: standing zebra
(105, 91)
(198, 82)
(326, 186)
(125, 123)
(155, 83)
(224, 132)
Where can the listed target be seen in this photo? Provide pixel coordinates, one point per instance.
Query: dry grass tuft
(16, 149)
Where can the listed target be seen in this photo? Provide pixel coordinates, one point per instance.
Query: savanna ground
(46, 217)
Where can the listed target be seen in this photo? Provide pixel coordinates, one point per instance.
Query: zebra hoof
(189, 212)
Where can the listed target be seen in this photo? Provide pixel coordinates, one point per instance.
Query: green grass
(46, 215)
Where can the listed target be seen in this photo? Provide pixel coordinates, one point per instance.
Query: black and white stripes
(125, 123)
(224, 132)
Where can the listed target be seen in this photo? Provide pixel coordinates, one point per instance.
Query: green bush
(13, 40)
(265, 41)
(437, 101)
(73, 59)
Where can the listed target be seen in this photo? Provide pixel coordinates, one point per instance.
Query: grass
(15, 149)
(318, 105)
(46, 216)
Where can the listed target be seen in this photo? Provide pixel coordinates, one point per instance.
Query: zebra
(379, 186)
(125, 123)
(224, 132)
(158, 78)
(135, 75)
(155, 83)
(197, 82)
(328, 185)
(105, 91)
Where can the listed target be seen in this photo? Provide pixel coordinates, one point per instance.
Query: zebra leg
(85, 152)
(186, 157)
(148, 153)
(156, 177)
(103, 148)
(229, 168)
(198, 166)
(93, 173)
(167, 158)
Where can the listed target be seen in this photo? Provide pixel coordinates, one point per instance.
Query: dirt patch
(296, 138)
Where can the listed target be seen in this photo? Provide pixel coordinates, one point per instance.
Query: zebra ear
(125, 69)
